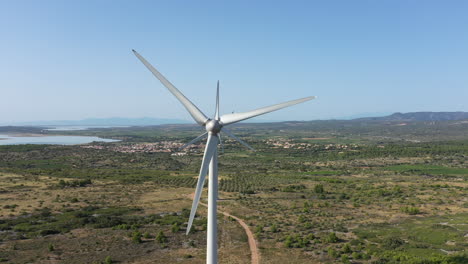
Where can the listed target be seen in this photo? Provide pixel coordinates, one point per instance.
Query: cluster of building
(173, 147)
(290, 144)
(340, 146)
(286, 143)
(162, 146)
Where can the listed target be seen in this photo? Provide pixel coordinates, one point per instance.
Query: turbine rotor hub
(213, 126)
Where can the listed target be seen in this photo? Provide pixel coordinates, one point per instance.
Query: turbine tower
(214, 127)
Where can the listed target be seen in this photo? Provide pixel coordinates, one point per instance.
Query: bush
(274, 228)
(392, 243)
(319, 188)
(108, 260)
(294, 188)
(175, 228)
(332, 252)
(50, 247)
(161, 238)
(121, 227)
(346, 248)
(259, 229)
(78, 183)
(331, 238)
(288, 242)
(296, 241)
(410, 210)
(356, 255)
(136, 237)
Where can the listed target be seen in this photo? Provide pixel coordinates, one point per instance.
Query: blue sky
(73, 59)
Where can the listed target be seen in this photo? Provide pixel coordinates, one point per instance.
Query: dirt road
(255, 254)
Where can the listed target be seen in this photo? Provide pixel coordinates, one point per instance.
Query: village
(174, 147)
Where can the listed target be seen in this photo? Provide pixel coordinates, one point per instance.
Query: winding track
(255, 254)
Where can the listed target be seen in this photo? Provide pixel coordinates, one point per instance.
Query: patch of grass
(427, 169)
(426, 233)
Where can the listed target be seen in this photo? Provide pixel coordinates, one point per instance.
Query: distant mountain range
(419, 116)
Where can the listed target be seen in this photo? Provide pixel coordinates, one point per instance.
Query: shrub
(392, 243)
(161, 238)
(108, 260)
(410, 210)
(175, 228)
(288, 242)
(294, 188)
(319, 188)
(332, 252)
(356, 255)
(346, 248)
(259, 229)
(121, 227)
(274, 228)
(136, 237)
(78, 183)
(331, 238)
(301, 219)
(296, 241)
(50, 247)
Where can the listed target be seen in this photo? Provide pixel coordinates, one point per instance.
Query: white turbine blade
(236, 117)
(200, 137)
(197, 115)
(210, 149)
(236, 138)
(216, 116)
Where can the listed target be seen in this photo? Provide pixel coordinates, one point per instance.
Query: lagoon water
(73, 128)
(54, 140)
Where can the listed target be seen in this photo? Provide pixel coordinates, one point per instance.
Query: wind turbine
(213, 126)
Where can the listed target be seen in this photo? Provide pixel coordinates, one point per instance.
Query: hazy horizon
(138, 121)
(73, 60)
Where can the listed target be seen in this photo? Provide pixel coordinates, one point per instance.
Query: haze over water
(54, 140)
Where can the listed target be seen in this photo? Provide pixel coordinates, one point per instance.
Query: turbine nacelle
(213, 126)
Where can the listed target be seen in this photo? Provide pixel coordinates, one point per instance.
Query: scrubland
(312, 193)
